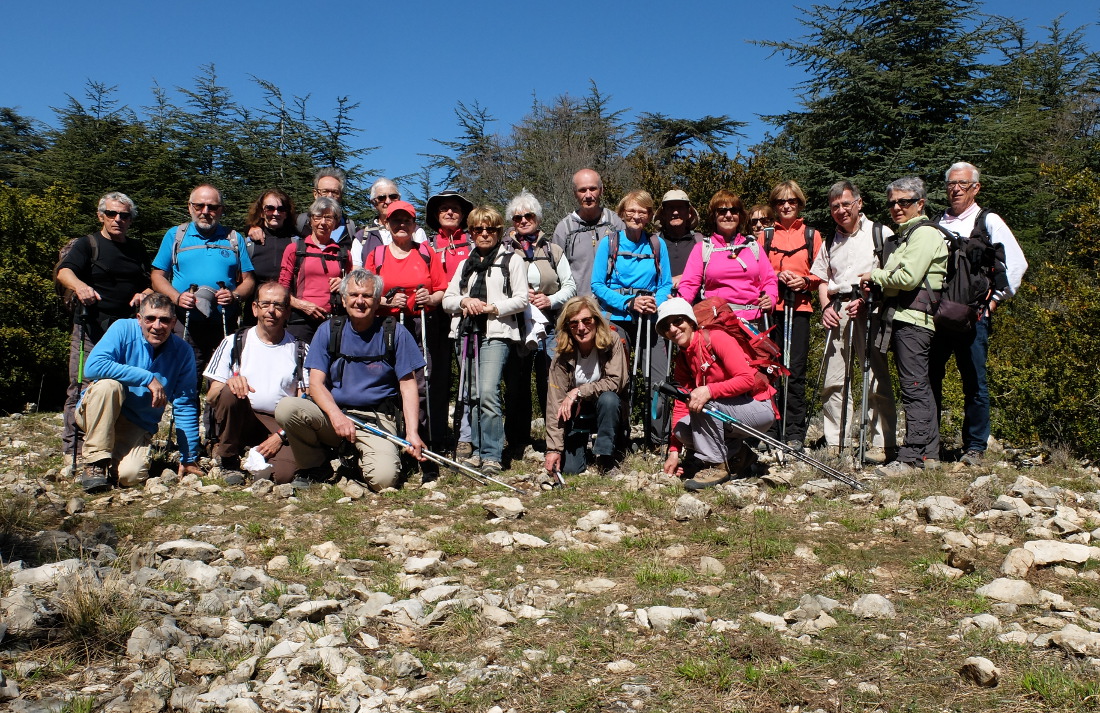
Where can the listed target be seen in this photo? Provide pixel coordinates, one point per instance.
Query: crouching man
(136, 368)
(365, 366)
(252, 371)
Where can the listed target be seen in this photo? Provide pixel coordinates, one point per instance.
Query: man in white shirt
(251, 371)
(854, 249)
(971, 349)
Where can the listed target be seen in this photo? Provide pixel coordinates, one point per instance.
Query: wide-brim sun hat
(672, 307)
(431, 211)
(675, 195)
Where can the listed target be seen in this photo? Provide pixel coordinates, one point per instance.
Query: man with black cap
(581, 231)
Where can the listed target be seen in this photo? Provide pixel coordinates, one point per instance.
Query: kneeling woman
(587, 387)
(712, 366)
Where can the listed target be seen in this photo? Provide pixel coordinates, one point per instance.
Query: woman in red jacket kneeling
(712, 366)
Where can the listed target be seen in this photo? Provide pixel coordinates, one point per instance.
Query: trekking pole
(864, 406)
(461, 396)
(846, 388)
(81, 314)
(821, 369)
(764, 315)
(647, 416)
(427, 365)
(559, 482)
(221, 310)
(788, 315)
(479, 478)
(828, 470)
(187, 315)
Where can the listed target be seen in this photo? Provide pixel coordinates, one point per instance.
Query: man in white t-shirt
(252, 371)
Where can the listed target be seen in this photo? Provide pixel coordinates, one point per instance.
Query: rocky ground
(959, 589)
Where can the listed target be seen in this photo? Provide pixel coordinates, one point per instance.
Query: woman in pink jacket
(729, 265)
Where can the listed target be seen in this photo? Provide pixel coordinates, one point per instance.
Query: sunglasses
(576, 323)
(484, 229)
(786, 201)
(275, 208)
(529, 217)
(120, 214)
(675, 321)
(206, 206)
(386, 197)
(151, 318)
(726, 209)
(903, 202)
(763, 221)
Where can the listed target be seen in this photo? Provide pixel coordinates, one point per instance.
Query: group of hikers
(321, 341)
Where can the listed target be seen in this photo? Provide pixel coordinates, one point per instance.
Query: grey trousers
(713, 440)
(912, 349)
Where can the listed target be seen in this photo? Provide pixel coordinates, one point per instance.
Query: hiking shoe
(708, 477)
(832, 451)
(97, 477)
(796, 446)
(930, 463)
(464, 450)
(300, 483)
(972, 458)
(491, 467)
(233, 477)
(876, 455)
(894, 468)
(429, 471)
(230, 462)
(473, 460)
(304, 477)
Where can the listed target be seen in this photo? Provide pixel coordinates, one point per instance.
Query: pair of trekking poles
(193, 288)
(864, 412)
(423, 343)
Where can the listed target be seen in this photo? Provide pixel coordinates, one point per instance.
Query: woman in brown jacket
(588, 382)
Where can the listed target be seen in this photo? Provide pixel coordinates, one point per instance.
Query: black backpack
(769, 234)
(238, 349)
(336, 339)
(975, 268)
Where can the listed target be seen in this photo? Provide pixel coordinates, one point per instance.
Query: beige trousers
(109, 435)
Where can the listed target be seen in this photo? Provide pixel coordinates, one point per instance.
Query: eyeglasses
(576, 323)
(120, 214)
(640, 213)
(786, 201)
(277, 306)
(329, 192)
(529, 217)
(203, 207)
(726, 209)
(275, 209)
(675, 321)
(484, 229)
(965, 185)
(386, 198)
(903, 202)
(151, 318)
(323, 218)
(842, 205)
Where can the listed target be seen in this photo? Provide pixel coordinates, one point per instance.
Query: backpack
(380, 253)
(238, 349)
(763, 354)
(876, 236)
(972, 274)
(613, 254)
(769, 233)
(181, 230)
(734, 254)
(67, 296)
(549, 283)
(336, 339)
(594, 228)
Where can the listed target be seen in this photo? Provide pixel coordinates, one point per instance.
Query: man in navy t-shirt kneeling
(363, 371)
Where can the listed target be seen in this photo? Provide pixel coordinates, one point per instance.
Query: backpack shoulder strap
(655, 246)
(612, 252)
(389, 338)
(336, 335)
(507, 274)
(237, 352)
(876, 238)
(769, 234)
(181, 230)
(299, 363)
(300, 247)
(379, 258)
(810, 243)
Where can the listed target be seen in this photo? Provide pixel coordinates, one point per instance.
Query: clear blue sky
(409, 63)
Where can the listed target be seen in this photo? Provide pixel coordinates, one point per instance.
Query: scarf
(478, 265)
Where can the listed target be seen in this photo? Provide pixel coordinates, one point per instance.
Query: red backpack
(761, 351)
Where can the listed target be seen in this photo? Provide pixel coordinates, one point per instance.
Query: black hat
(431, 212)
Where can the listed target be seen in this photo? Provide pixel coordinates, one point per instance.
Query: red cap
(400, 205)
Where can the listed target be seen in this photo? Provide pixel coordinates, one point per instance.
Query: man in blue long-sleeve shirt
(137, 368)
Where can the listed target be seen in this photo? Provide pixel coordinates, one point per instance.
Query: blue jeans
(488, 419)
(971, 351)
(604, 419)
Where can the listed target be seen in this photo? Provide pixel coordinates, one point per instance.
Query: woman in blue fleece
(631, 276)
(137, 368)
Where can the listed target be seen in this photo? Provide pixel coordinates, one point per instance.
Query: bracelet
(282, 437)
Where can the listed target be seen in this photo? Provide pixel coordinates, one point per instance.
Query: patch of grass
(1057, 687)
(654, 574)
(79, 704)
(634, 501)
(96, 617)
(857, 522)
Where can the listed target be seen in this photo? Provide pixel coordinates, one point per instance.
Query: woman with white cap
(677, 219)
(713, 368)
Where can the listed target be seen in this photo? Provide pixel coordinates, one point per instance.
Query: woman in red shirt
(713, 367)
(792, 246)
(312, 269)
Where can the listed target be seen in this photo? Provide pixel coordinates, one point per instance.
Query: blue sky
(408, 64)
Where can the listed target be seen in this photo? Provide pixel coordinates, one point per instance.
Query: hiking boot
(97, 477)
(708, 477)
(605, 464)
(876, 455)
(491, 467)
(796, 446)
(832, 451)
(473, 460)
(896, 468)
(429, 472)
(304, 477)
(464, 450)
(230, 462)
(930, 463)
(972, 458)
(233, 477)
